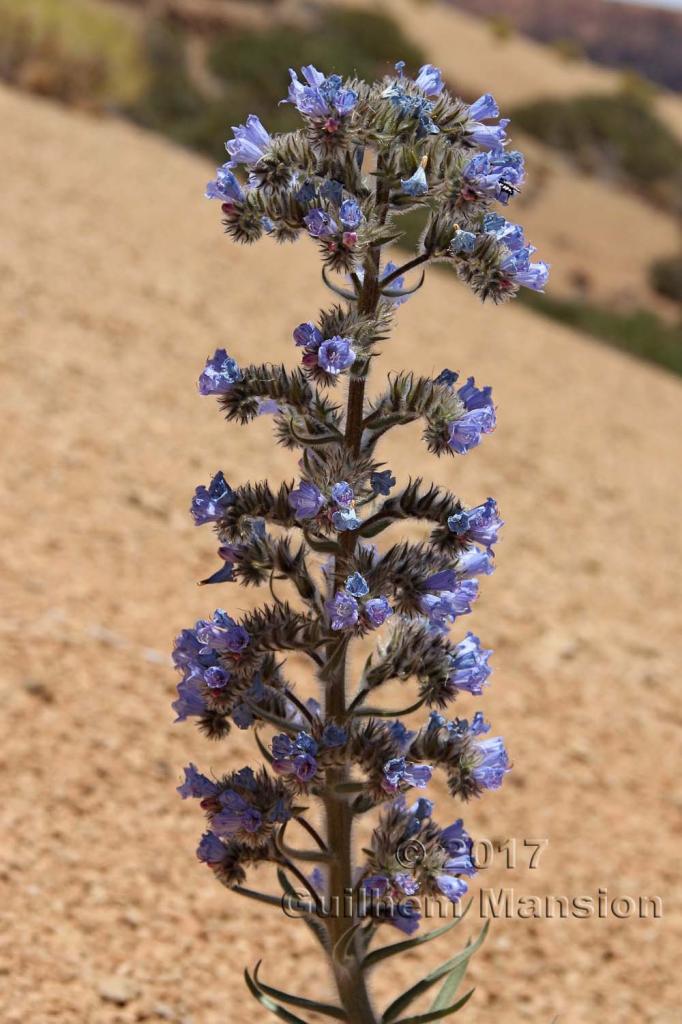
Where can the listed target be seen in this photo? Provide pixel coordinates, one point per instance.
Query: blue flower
(474, 562)
(430, 80)
(465, 433)
(190, 703)
(350, 214)
(399, 772)
(322, 96)
(220, 373)
(453, 888)
(335, 355)
(479, 525)
(344, 610)
(382, 482)
(515, 262)
(342, 494)
(488, 136)
(345, 520)
(413, 107)
(307, 500)
(400, 734)
(222, 633)
(497, 174)
(447, 378)
(320, 224)
(493, 764)
(376, 611)
(210, 850)
(463, 241)
(196, 784)
(249, 144)
(417, 185)
(226, 186)
(469, 665)
(333, 736)
(208, 504)
(307, 336)
(444, 607)
(357, 585)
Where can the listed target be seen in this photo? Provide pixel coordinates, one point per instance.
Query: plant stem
(350, 979)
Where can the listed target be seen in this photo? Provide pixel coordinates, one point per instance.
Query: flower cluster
(362, 156)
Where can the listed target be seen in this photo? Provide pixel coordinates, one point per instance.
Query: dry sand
(116, 283)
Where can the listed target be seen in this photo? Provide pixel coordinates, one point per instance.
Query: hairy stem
(350, 980)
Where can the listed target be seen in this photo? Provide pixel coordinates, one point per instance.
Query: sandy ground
(116, 283)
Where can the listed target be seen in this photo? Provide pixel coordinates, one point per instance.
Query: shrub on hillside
(618, 135)
(666, 277)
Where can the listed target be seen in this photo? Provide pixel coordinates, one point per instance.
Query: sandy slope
(116, 283)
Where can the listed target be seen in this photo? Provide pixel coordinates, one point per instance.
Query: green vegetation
(619, 137)
(76, 51)
(666, 277)
(247, 69)
(641, 333)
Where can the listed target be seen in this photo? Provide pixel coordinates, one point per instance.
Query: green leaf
(456, 965)
(340, 951)
(269, 1004)
(425, 1018)
(400, 947)
(449, 987)
(307, 1004)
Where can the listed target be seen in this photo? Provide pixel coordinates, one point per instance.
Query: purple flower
(344, 610)
(209, 503)
(190, 702)
(493, 764)
(335, 355)
(417, 185)
(479, 525)
(295, 757)
(216, 677)
(376, 611)
(226, 186)
(466, 432)
(474, 562)
(447, 378)
(484, 108)
(470, 669)
(430, 80)
(475, 398)
(357, 585)
(220, 373)
(350, 214)
(320, 224)
(401, 735)
(210, 850)
(342, 494)
(307, 500)
(453, 888)
(249, 144)
(307, 336)
(196, 784)
(446, 579)
(236, 815)
(222, 633)
(399, 772)
(444, 607)
(383, 482)
(411, 107)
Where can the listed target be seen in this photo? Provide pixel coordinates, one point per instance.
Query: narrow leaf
(269, 1004)
(449, 987)
(400, 947)
(341, 945)
(425, 1018)
(460, 960)
(307, 1004)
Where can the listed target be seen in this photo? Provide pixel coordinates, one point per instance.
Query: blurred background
(116, 284)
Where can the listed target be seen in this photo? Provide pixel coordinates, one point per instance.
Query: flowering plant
(364, 155)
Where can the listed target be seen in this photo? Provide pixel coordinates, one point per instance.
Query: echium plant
(364, 155)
